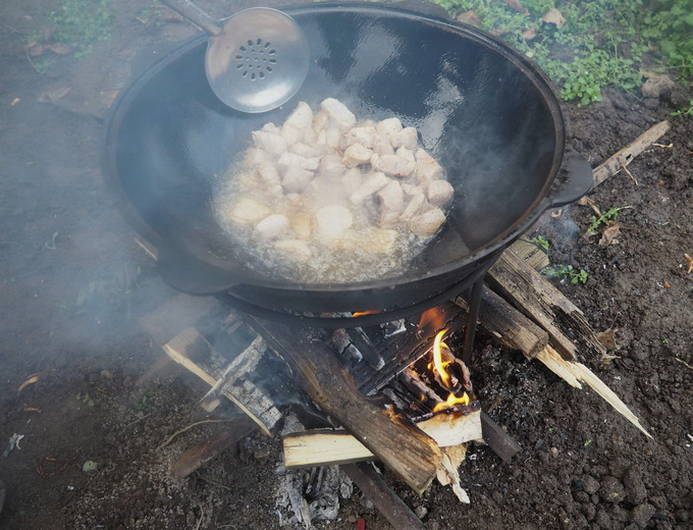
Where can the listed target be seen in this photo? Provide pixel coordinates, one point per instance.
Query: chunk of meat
(439, 192)
(382, 145)
(248, 211)
(271, 227)
(370, 240)
(360, 135)
(333, 136)
(427, 223)
(373, 183)
(305, 150)
(427, 168)
(301, 117)
(320, 120)
(331, 167)
(355, 155)
(352, 180)
(389, 127)
(331, 221)
(254, 157)
(293, 160)
(293, 249)
(407, 137)
(391, 202)
(296, 179)
(269, 177)
(338, 112)
(401, 164)
(271, 128)
(273, 143)
(292, 135)
(417, 201)
(301, 224)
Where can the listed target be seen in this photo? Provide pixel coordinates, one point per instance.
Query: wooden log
(508, 324)
(410, 453)
(498, 440)
(622, 158)
(531, 253)
(319, 447)
(191, 350)
(371, 483)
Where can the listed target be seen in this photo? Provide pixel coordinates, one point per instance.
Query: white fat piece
(371, 184)
(407, 137)
(254, 157)
(427, 223)
(417, 201)
(338, 112)
(331, 167)
(288, 160)
(427, 168)
(305, 150)
(272, 143)
(360, 135)
(382, 146)
(296, 179)
(331, 221)
(400, 164)
(352, 181)
(439, 192)
(320, 121)
(248, 211)
(391, 203)
(356, 155)
(271, 227)
(301, 117)
(389, 127)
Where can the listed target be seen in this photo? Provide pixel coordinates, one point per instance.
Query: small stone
(603, 520)
(682, 515)
(595, 499)
(642, 513)
(589, 511)
(581, 496)
(261, 453)
(421, 511)
(590, 484)
(554, 451)
(611, 490)
(90, 466)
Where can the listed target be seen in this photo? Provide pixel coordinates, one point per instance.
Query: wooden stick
(410, 453)
(622, 158)
(191, 350)
(508, 325)
(319, 447)
(498, 440)
(574, 373)
(371, 483)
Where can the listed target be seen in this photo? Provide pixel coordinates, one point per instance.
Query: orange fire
(433, 317)
(451, 402)
(438, 363)
(364, 313)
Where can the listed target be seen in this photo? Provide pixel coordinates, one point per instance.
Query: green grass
(684, 111)
(606, 218)
(603, 42)
(540, 241)
(568, 273)
(82, 23)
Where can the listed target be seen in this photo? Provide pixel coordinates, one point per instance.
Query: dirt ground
(73, 287)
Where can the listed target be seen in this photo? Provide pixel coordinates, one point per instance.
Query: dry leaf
(690, 262)
(610, 234)
(556, 213)
(529, 34)
(608, 338)
(553, 16)
(34, 378)
(516, 6)
(666, 284)
(469, 17)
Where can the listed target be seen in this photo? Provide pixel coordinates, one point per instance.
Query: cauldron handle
(577, 181)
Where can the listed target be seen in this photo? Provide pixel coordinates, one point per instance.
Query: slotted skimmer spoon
(256, 59)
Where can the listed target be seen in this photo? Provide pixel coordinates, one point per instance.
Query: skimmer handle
(194, 14)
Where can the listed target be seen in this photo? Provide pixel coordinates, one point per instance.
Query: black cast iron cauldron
(486, 112)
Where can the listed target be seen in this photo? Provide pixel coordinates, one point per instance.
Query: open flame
(438, 364)
(451, 402)
(433, 317)
(364, 313)
(439, 367)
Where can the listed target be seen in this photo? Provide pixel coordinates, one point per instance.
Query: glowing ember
(364, 313)
(438, 363)
(451, 402)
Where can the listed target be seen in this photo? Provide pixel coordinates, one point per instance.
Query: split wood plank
(622, 158)
(535, 296)
(507, 324)
(498, 440)
(574, 373)
(410, 453)
(320, 447)
(191, 350)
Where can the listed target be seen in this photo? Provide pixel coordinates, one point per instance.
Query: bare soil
(73, 287)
